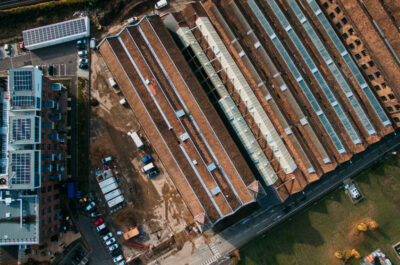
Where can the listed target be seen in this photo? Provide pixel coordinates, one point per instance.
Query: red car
(22, 45)
(98, 222)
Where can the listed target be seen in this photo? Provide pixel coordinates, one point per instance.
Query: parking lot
(62, 57)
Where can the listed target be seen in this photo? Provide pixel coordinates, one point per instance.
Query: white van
(160, 4)
(112, 82)
(132, 20)
(92, 43)
(148, 167)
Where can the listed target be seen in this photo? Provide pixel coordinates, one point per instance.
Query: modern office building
(22, 169)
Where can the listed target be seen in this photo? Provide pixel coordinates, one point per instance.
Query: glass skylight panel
(289, 62)
(349, 61)
(332, 67)
(311, 65)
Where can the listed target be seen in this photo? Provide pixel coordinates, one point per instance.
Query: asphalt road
(98, 255)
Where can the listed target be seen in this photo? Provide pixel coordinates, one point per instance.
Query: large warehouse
(298, 98)
(56, 33)
(180, 122)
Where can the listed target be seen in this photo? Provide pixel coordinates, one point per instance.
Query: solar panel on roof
(22, 101)
(54, 31)
(22, 129)
(22, 80)
(21, 168)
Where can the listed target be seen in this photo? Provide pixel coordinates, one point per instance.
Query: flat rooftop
(19, 215)
(180, 122)
(56, 33)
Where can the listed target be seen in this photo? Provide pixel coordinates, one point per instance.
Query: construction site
(242, 103)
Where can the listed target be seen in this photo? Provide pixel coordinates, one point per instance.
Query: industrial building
(298, 97)
(180, 122)
(23, 171)
(56, 33)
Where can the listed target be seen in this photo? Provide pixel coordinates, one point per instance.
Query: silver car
(113, 247)
(110, 241)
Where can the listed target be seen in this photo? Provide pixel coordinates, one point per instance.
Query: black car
(116, 252)
(83, 66)
(50, 70)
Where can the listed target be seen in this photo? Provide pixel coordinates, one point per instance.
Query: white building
(56, 33)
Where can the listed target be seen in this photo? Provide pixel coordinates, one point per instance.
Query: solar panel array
(21, 129)
(22, 80)
(22, 101)
(54, 31)
(21, 168)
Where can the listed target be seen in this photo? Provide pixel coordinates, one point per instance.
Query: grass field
(312, 236)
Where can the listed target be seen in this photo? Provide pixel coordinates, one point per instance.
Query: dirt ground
(153, 204)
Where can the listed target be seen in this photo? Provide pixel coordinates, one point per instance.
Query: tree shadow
(283, 239)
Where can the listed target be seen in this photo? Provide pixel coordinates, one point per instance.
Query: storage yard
(153, 204)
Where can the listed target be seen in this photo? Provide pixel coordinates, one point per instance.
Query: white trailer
(111, 195)
(136, 139)
(116, 201)
(107, 182)
(109, 188)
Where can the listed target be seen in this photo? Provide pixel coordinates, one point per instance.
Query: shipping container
(107, 182)
(109, 188)
(111, 195)
(115, 201)
(136, 139)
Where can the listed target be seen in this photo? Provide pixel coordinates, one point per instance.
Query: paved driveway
(62, 56)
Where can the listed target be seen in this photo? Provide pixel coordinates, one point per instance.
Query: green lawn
(312, 236)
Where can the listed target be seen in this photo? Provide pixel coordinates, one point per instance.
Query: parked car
(116, 252)
(117, 259)
(83, 66)
(7, 49)
(83, 61)
(106, 160)
(90, 206)
(108, 236)
(132, 20)
(160, 4)
(98, 222)
(104, 232)
(50, 70)
(354, 193)
(113, 247)
(146, 159)
(100, 227)
(22, 46)
(153, 173)
(122, 262)
(81, 45)
(94, 214)
(111, 241)
(82, 53)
